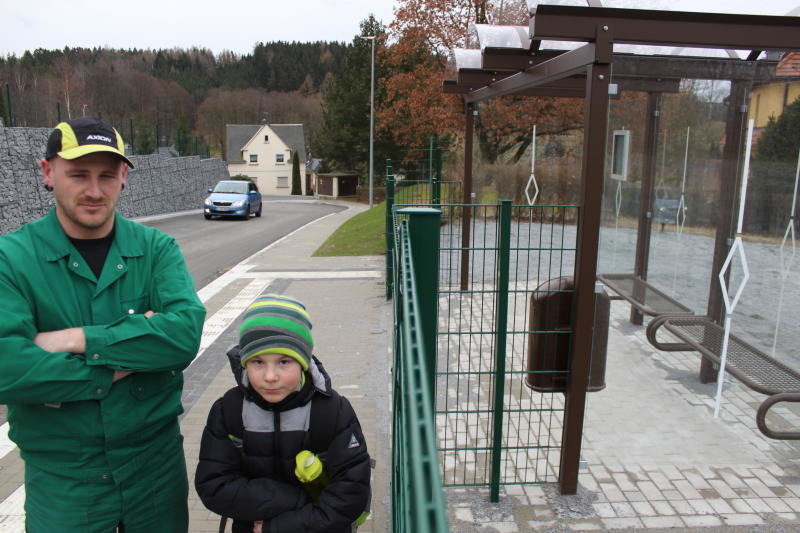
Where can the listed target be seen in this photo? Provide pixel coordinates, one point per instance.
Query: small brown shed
(336, 184)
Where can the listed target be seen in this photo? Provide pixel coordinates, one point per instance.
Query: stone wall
(156, 185)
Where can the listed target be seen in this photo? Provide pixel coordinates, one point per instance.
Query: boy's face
(274, 376)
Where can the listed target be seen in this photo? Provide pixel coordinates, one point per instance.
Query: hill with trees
(170, 97)
(185, 97)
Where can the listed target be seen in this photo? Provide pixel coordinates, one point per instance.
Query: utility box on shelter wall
(548, 353)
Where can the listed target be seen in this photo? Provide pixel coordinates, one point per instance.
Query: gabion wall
(157, 185)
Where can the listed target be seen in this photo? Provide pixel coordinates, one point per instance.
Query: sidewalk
(352, 327)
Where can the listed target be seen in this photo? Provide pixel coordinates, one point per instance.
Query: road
(210, 247)
(213, 246)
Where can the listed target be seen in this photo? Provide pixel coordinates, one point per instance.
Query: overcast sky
(238, 24)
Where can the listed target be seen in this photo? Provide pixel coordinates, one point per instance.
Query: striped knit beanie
(276, 324)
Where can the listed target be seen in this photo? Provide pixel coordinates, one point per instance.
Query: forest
(176, 95)
(183, 98)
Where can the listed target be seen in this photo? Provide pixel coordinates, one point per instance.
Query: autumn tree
(415, 109)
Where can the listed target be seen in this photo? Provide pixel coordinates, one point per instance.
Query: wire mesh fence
(500, 368)
(417, 498)
(541, 247)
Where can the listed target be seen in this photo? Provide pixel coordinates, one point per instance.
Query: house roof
(314, 164)
(789, 66)
(237, 136)
(240, 135)
(292, 135)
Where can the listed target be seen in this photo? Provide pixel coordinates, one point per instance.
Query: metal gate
(492, 427)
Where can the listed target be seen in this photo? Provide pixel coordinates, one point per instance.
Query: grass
(364, 234)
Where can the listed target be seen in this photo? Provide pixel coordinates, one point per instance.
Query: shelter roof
(549, 56)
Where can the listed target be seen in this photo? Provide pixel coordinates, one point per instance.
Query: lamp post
(371, 111)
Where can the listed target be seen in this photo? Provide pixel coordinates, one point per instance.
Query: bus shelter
(661, 90)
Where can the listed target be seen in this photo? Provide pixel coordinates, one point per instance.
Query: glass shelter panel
(712, 158)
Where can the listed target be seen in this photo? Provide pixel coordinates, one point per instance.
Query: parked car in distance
(667, 211)
(233, 198)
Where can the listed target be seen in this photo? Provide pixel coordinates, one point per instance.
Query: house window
(254, 158)
(266, 138)
(279, 158)
(283, 182)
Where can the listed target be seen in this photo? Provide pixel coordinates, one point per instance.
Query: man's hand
(71, 340)
(119, 374)
(257, 526)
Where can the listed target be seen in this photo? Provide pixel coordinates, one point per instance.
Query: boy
(283, 407)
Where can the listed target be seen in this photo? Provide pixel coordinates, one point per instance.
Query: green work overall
(83, 438)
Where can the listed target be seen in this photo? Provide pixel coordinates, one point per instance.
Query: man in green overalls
(98, 319)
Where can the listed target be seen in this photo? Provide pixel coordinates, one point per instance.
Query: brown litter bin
(548, 353)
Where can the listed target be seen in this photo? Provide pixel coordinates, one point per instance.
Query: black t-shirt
(94, 251)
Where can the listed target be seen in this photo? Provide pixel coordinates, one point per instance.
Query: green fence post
(389, 228)
(435, 174)
(423, 232)
(58, 112)
(501, 325)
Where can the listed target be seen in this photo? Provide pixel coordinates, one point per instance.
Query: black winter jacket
(254, 479)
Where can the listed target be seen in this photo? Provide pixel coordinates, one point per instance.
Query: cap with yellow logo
(83, 136)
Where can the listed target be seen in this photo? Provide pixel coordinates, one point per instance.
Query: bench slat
(644, 296)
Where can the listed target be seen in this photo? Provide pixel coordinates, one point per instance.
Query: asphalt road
(213, 246)
(210, 247)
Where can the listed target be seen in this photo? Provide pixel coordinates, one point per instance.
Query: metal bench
(748, 364)
(643, 296)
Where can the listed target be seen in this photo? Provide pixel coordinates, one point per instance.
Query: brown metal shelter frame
(586, 72)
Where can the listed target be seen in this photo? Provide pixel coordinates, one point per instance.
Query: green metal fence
(417, 498)
(499, 409)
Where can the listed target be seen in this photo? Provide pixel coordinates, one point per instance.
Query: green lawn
(364, 234)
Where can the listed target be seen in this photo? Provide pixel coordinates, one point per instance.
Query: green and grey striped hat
(276, 324)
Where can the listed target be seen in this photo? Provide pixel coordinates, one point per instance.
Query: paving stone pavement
(656, 458)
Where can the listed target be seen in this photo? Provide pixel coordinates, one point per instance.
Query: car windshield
(231, 187)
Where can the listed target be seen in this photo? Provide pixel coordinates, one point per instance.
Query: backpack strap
(322, 426)
(232, 413)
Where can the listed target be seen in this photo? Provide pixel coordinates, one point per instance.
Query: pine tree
(3, 112)
(145, 138)
(343, 140)
(781, 137)
(297, 189)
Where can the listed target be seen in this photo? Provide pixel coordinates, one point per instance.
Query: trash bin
(548, 353)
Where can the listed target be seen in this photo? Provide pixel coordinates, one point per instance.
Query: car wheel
(207, 217)
(247, 215)
(260, 207)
